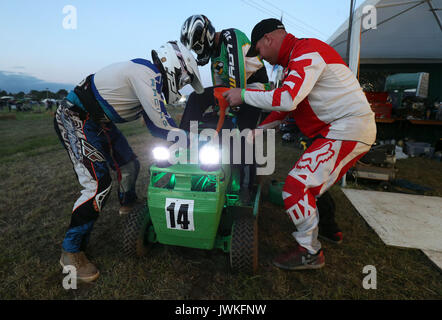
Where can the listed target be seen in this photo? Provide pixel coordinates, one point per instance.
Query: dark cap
(263, 27)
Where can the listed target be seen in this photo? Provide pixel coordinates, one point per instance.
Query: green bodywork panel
(208, 198)
(203, 194)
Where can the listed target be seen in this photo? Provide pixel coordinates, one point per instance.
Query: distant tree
(19, 95)
(3, 93)
(35, 94)
(43, 94)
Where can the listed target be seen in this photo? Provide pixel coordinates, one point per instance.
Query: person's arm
(273, 119)
(158, 121)
(304, 71)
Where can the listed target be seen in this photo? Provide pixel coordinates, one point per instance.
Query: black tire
(135, 232)
(244, 245)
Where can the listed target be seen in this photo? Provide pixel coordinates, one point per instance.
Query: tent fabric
(406, 32)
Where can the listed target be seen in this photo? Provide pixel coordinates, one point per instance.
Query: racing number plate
(179, 214)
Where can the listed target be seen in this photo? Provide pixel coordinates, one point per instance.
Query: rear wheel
(135, 232)
(244, 245)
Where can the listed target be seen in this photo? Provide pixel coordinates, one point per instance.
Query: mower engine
(380, 155)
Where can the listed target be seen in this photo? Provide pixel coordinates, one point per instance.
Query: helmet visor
(198, 47)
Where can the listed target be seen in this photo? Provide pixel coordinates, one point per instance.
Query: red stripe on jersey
(274, 116)
(328, 53)
(276, 101)
(298, 83)
(308, 122)
(297, 66)
(310, 45)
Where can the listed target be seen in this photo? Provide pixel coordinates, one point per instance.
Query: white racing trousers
(321, 165)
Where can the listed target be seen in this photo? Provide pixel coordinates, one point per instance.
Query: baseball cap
(263, 27)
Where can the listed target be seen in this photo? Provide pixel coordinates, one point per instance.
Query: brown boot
(86, 271)
(125, 210)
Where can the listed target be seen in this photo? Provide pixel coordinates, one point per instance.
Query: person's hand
(233, 97)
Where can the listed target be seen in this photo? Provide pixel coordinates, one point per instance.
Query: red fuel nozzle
(222, 103)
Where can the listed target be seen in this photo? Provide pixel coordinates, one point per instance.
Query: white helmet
(178, 68)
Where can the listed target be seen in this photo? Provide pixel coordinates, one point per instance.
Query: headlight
(209, 155)
(162, 157)
(161, 153)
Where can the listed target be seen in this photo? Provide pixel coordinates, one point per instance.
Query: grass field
(38, 188)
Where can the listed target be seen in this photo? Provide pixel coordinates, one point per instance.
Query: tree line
(36, 95)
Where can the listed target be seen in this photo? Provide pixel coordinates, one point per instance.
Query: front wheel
(135, 232)
(244, 245)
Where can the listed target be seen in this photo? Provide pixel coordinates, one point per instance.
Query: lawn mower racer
(121, 92)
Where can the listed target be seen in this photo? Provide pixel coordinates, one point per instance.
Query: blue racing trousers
(93, 148)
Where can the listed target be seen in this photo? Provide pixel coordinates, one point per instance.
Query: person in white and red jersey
(327, 102)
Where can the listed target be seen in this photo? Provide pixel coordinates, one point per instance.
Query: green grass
(32, 134)
(38, 190)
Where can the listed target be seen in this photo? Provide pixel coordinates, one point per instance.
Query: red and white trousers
(321, 165)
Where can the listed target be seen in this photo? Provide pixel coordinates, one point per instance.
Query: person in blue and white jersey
(85, 123)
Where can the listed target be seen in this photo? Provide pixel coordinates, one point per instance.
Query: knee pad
(104, 188)
(129, 175)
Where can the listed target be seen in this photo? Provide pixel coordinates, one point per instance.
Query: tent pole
(350, 25)
(435, 14)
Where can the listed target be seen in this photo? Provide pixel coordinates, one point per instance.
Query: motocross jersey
(231, 68)
(319, 91)
(128, 90)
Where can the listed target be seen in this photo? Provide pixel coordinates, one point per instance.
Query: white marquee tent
(406, 32)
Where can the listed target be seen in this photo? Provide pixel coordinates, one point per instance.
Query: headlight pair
(209, 157)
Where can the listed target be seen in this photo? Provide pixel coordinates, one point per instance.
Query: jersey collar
(286, 49)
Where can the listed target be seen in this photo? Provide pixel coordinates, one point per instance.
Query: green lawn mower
(197, 206)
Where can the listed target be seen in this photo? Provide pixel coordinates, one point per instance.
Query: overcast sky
(34, 42)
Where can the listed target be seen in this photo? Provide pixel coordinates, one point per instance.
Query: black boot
(328, 228)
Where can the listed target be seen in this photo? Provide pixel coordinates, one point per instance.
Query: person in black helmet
(226, 50)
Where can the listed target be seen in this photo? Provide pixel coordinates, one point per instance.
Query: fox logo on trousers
(313, 159)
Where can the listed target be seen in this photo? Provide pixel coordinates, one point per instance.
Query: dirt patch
(8, 117)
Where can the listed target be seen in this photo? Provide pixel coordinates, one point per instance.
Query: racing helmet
(198, 34)
(178, 68)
